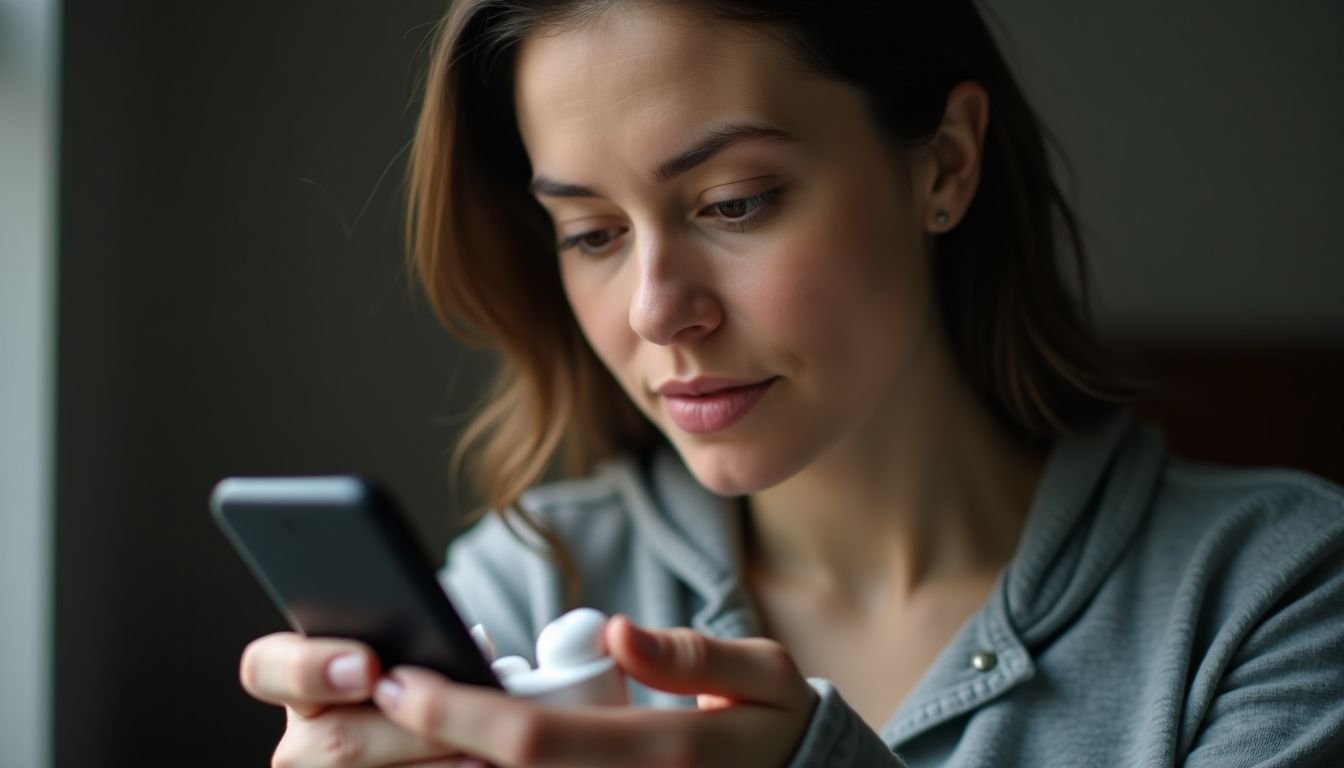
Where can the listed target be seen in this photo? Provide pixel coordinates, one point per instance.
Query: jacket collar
(696, 535)
(1092, 497)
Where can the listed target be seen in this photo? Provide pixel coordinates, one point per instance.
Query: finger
(477, 720)
(503, 730)
(755, 670)
(355, 737)
(507, 731)
(290, 669)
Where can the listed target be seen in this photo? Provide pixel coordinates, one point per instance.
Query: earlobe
(957, 149)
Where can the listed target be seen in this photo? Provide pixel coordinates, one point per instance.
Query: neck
(932, 490)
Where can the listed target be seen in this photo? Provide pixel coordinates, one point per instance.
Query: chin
(737, 469)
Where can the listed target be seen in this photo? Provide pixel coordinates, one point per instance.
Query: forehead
(638, 82)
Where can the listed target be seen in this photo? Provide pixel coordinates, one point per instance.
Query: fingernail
(387, 693)
(645, 643)
(349, 673)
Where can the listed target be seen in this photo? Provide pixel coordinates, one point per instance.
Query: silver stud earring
(941, 218)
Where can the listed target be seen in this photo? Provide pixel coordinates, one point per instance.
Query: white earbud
(573, 668)
(572, 640)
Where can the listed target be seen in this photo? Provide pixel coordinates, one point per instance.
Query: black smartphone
(338, 559)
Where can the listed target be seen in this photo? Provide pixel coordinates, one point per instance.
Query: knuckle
(428, 714)
(776, 659)
(340, 743)
(780, 661)
(690, 649)
(330, 740)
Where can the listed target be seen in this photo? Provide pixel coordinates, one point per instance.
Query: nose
(674, 299)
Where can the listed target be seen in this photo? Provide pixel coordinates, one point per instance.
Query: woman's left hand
(754, 706)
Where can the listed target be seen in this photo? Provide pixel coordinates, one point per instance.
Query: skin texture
(817, 279)
(882, 495)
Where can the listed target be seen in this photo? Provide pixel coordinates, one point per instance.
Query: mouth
(702, 406)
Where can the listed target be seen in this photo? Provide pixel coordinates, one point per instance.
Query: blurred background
(201, 274)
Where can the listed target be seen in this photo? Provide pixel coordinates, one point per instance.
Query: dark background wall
(1203, 137)
(216, 318)
(218, 315)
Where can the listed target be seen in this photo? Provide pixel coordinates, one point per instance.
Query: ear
(955, 151)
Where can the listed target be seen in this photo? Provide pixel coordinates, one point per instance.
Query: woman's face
(734, 237)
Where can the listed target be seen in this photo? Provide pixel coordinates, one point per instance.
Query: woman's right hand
(325, 686)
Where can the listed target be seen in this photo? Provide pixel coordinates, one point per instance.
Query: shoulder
(1240, 550)
(1223, 547)
(1229, 488)
(1260, 588)
(1281, 515)
(1134, 489)
(1218, 594)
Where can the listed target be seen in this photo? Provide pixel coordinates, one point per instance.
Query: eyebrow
(700, 152)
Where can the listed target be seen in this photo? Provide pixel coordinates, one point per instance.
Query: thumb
(756, 670)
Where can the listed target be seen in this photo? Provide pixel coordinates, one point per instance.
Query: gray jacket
(1156, 612)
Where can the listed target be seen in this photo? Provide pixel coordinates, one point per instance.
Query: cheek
(601, 308)
(842, 292)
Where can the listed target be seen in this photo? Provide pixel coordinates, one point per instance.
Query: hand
(753, 709)
(322, 683)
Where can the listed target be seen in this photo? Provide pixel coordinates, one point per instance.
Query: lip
(708, 404)
(705, 385)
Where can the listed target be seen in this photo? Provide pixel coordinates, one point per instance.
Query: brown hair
(484, 247)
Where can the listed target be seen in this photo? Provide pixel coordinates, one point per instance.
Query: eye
(733, 209)
(596, 239)
(741, 213)
(593, 243)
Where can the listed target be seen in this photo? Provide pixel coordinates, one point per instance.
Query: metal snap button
(984, 660)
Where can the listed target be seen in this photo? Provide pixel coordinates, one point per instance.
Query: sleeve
(837, 737)
(1280, 701)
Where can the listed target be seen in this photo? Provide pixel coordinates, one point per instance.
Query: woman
(781, 280)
